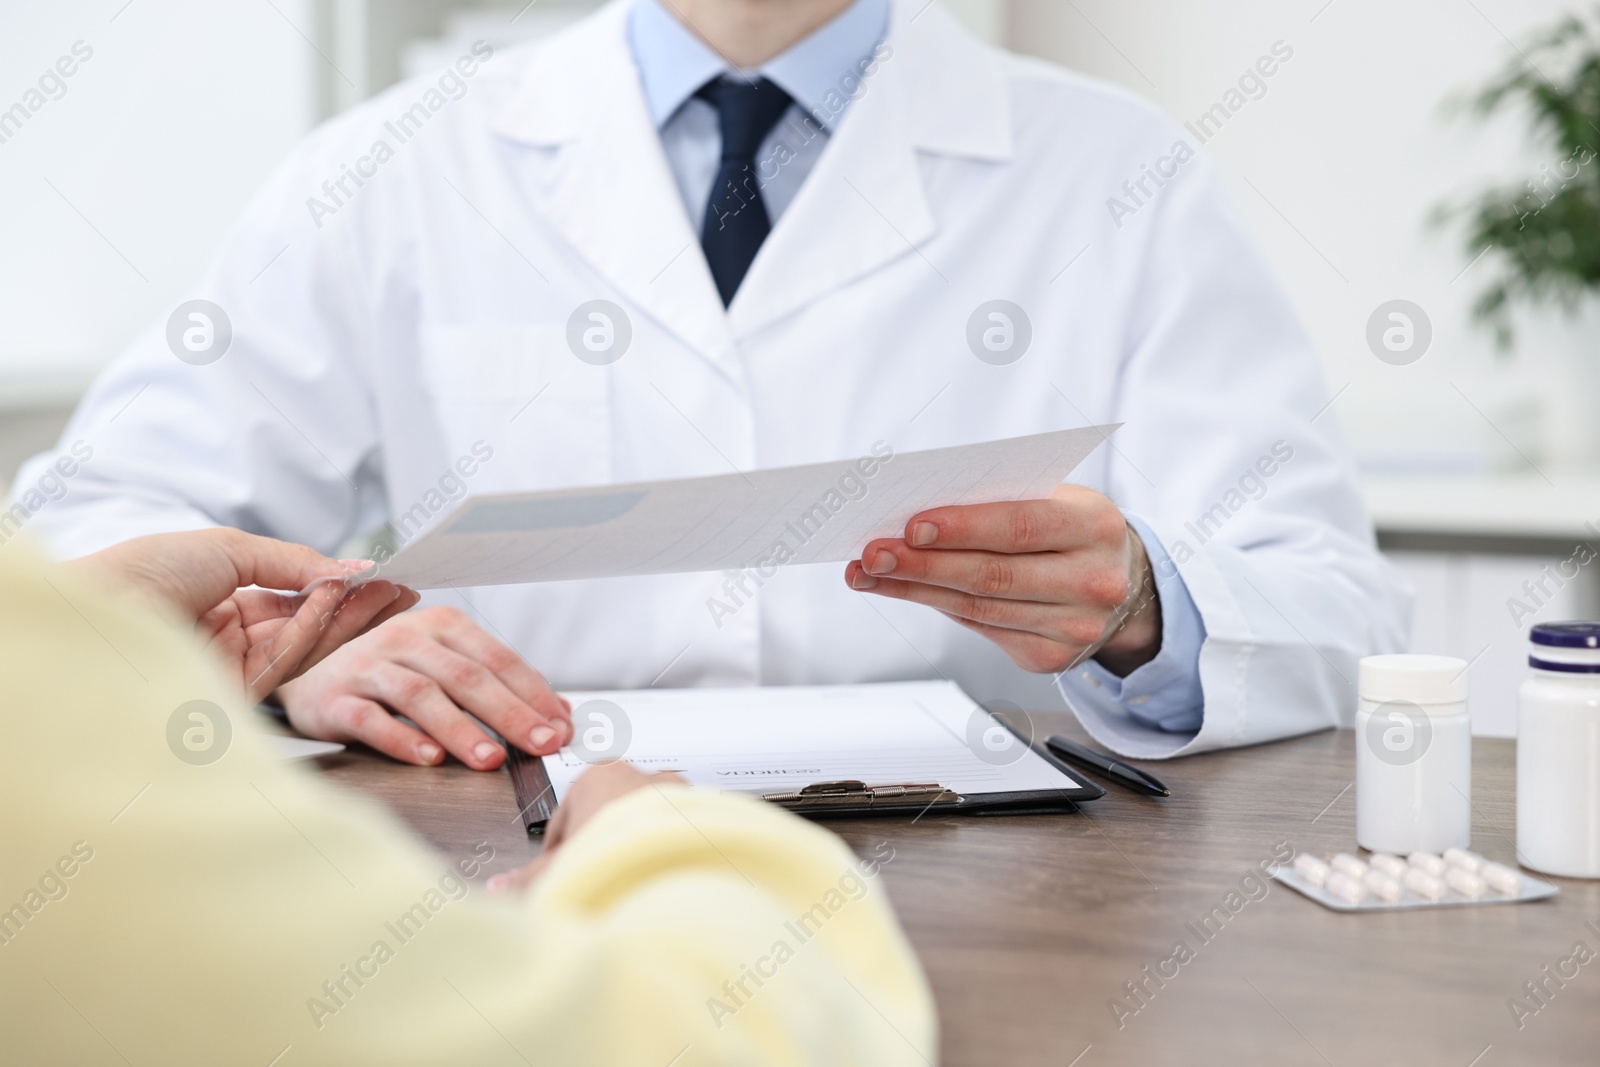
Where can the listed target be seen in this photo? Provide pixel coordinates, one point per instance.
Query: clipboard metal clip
(857, 794)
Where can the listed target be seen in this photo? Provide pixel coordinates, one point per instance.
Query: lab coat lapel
(612, 196)
(864, 205)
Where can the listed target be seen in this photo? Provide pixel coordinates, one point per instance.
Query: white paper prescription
(819, 513)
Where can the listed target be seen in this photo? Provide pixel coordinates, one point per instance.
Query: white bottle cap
(1413, 678)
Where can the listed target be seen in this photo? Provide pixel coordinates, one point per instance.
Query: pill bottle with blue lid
(1558, 751)
(1413, 754)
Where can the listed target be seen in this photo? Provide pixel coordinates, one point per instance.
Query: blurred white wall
(118, 193)
(1336, 167)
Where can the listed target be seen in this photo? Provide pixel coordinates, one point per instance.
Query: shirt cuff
(1164, 694)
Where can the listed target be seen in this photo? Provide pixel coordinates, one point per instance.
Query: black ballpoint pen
(1121, 773)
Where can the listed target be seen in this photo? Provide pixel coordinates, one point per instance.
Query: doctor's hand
(1046, 580)
(262, 637)
(432, 666)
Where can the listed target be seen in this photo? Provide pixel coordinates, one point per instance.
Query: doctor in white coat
(693, 236)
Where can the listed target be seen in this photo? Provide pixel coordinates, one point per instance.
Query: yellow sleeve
(169, 894)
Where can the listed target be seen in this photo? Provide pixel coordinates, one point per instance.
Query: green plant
(1547, 231)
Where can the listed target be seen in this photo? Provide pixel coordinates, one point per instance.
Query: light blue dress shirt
(1164, 693)
(823, 73)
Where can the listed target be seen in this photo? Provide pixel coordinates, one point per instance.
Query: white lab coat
(375, 346)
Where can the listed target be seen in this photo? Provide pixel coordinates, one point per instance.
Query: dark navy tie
(736, 216)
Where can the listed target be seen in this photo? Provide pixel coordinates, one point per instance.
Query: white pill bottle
(1558, 751)
(1413, 754)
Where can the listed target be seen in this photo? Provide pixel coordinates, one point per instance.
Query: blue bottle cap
(1566, 634)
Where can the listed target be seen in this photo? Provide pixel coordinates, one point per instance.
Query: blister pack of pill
(1383, 882)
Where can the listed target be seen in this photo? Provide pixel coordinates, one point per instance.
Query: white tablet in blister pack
(1382, 882)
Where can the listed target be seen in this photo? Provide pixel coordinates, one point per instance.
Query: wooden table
(1030, 926)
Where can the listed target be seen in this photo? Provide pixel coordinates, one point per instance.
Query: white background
(1337, 168)
(159, 141)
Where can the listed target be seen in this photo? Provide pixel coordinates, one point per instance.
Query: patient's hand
(262, 637)
(433, 666)
(594, 789)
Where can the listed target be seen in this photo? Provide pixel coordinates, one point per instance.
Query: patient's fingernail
(863, 581)
(923, 534)
(428, 753)
(357, 564)
(541, 736)
(484, 751)
(883, 561)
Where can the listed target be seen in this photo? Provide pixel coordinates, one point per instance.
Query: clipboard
(972, 762)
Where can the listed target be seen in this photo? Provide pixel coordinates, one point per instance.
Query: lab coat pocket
(518, 388)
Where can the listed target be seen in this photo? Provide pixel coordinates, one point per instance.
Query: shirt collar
(674, 63)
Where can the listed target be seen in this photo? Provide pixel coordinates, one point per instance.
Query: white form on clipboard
(778, 741)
